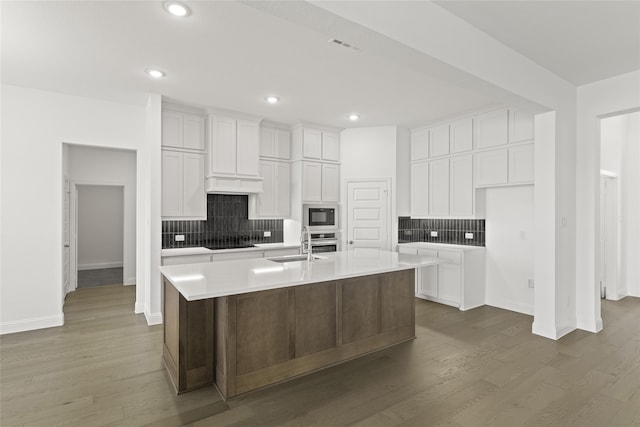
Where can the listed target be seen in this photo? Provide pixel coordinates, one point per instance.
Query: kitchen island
(246, 324)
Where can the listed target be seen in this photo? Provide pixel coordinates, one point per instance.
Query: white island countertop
(217, 279)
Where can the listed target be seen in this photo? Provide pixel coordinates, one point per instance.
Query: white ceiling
(580, 41)
(231, 55)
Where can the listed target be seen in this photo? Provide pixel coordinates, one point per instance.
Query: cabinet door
(491, 129)
(419, 189)
(521, 168)
(194, 200)
(491, 167)
(330, 183)
(420, 144)
(267, 142)
(247, 155)
(311, 182)
(282, 183)
(311, 144)
(265, 200)
(222, 147)
(282, 144)
(193, 131)
(330, 146)
(520, 126)
(185, 259)
(450, 277)
(439, 187)
(172, 129)
(439, 141)
(461, 197)
(462, 136)
(171, 184)
(428, 276)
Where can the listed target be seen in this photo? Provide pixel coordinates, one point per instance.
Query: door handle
(351, 242)
(66, 245)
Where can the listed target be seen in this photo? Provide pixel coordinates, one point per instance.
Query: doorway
(368, 215)
(100, 235)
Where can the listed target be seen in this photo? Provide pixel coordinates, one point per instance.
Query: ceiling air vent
(344, 44)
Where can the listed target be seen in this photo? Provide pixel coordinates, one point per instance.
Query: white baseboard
(511, 306)
(153, 318)
(31, 324)
(551, 333)
(130, 281)
(99, 265)
(139, 308)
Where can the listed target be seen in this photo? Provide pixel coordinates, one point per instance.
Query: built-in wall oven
(320, 217)
(324, 242)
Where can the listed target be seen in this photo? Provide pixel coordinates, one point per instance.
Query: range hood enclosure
(233, 185)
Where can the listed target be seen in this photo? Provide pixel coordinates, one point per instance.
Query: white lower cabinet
(459, 281)
(230, 256)
(186, 259)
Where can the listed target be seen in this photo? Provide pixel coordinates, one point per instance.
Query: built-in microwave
(321, 217)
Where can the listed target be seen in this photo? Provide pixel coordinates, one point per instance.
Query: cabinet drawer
(451, 257)
(407, 250)
(230, 256)
(186, 259)
(428, 252)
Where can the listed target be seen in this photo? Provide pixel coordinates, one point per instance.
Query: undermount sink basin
(294, 258)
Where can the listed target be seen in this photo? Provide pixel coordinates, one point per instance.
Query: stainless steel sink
(294, 258)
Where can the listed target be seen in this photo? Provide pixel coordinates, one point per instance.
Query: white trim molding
(31, 324)
(153, 318)
(100, 265)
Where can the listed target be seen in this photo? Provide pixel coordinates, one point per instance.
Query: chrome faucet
(305, 229)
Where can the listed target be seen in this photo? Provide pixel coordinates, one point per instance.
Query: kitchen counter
(211, 280)
(205, 251)
(247, 324)
(443, 246)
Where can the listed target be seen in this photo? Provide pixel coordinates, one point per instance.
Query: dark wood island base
(249, 341)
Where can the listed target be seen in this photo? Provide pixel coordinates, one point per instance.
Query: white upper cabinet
(461, 196)
(312, 144)
(491, 129)
(330, 182)
(439, 141)
(330, 146)
(420, 144)
(183, 194)
(439, 187)
(247, 148)
(462, 136)
(520, 126)
(311, 182)
(521, 164)
(222, 145)
(491, 167)
(183, 130)
(275, 200)
(275, 143)
(419, 189)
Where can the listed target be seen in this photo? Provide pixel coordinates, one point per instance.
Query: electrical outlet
(468, 236)
(530, 283)
(267, 234)
(178, 238)
(434, 234)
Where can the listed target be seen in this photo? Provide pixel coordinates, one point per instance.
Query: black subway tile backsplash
(227, 224)
(451, 231)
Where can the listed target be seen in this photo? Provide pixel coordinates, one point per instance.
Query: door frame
(73, 284)
(345, 216)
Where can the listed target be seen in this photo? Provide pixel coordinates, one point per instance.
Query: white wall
(106, 166)
(631, 206)
(370, 153)
(597, 100)
(100, 227)
(510, 248)
(34, 125)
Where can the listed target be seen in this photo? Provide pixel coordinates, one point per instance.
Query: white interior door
(608, 238)
(367, 215)
(66, 238)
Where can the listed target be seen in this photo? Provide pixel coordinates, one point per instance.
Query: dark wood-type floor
(481, 367)
(99, 277)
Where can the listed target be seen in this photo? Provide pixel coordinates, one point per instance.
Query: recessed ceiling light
(353, 117)
(156, 74)
(176, 9)
(272, 99)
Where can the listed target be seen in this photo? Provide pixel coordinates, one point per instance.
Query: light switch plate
(468, 236)
(267, 234)
(178, 238)
(434, 234)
